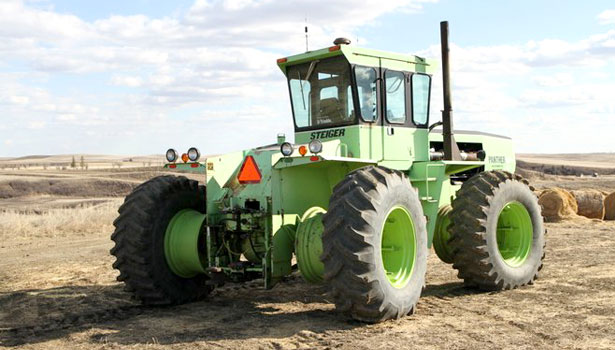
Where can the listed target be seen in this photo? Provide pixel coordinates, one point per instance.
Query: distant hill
(30, 157)
(87, 157)
(91, 160)
(587, 160)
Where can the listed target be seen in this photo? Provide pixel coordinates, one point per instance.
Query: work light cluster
(192, 155)
(287, 149)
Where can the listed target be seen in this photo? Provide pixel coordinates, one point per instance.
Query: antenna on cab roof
(306, 36)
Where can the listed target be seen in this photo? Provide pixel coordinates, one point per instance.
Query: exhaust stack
(451, 151)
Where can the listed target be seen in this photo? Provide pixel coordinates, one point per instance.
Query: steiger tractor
(367, 188)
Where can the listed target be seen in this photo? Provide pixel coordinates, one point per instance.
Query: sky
(137, 77)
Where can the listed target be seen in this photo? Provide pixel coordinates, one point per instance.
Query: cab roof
(365, 57)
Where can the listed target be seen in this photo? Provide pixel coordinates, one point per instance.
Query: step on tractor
(355, 203)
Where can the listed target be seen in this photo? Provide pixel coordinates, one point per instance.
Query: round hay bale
(609, 207)
(590, 203)
(557, 204)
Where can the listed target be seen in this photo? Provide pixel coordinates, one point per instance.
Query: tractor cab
(362, 98)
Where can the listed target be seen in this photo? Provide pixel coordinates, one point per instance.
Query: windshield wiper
(301, 88)
(307, 78)
(311, 69)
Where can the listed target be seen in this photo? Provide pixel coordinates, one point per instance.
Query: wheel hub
(181, 243)
(514, 234)
(398, 246)
(308, 245)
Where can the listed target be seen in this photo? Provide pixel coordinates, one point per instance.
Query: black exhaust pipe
(451, 151)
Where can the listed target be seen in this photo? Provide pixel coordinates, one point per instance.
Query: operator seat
(331, 111)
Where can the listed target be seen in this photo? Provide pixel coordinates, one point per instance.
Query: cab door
(397, 134)
(369, 104)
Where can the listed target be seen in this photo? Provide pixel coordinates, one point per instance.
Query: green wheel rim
(514, 234)
(181, 243)
(441, 235)
(308, 245)
(398, 246)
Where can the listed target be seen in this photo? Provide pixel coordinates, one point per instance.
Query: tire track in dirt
(15, 336)
(443, 300)
(95, 311)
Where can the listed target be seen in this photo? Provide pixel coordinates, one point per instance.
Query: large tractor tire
(139, 241)
(497, 233)
(375, 245)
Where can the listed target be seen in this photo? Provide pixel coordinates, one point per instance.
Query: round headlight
(315, 146)
(287, 149)
(193, 154)
(171, 155)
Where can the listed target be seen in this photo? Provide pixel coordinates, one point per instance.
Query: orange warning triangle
(249, 173)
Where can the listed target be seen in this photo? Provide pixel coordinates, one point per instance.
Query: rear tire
(375, 245)
(497, 233)
(139, 241)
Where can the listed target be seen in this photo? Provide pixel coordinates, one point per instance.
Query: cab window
(366, 91)
(395, 88)
(420, 98)
(300, 100)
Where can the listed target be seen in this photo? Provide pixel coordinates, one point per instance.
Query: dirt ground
(58, 291)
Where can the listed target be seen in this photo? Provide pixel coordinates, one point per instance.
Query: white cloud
(216, 49)
(554, 80)
(37, 124)
(55, 42)
(23, 22)
(21, 100)
(607, 17)
(553, 98)
(130, 81)
(549, 95)
(66, 117)
(280, 23)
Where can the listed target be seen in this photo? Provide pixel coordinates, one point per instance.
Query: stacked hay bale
(557, 204)
(590, 203)
(609, 207)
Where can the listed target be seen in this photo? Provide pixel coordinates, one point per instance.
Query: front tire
(375, 245)
(497, 233)
(139, 241)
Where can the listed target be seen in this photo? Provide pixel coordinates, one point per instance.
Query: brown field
(58, 290)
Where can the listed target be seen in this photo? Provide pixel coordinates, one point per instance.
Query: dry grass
(54, 223)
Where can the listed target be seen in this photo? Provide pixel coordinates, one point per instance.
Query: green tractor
(355, 203)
